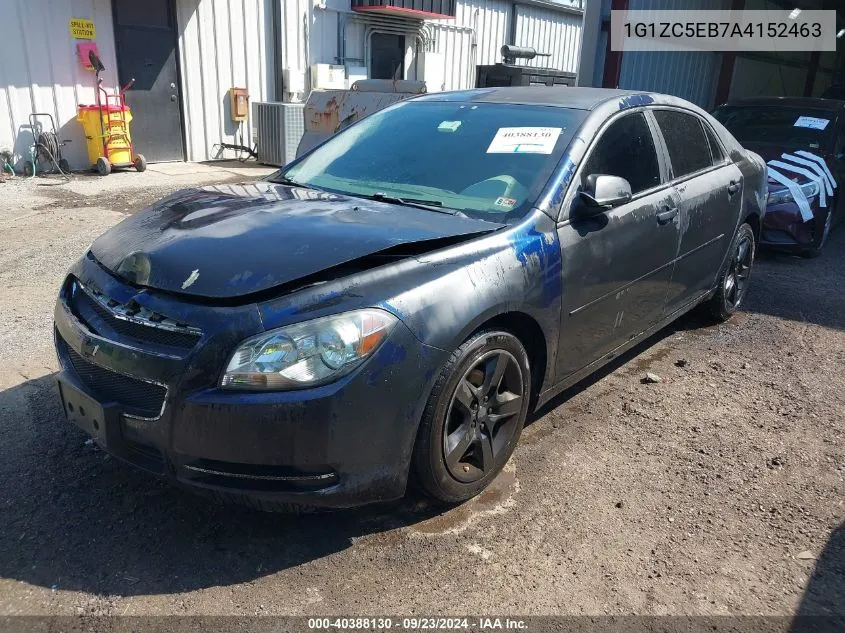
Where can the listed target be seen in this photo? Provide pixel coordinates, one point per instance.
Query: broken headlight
(782, 196)
(307, 354)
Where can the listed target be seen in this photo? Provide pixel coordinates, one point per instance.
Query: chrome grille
(104, 315)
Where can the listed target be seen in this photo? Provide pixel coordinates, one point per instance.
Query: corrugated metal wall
(229, 43)
(474, 37)
(222, 44)
(549, 32)
(40, 72)
(490, 19)
(294, 22)
(487, 24)
(690, 75)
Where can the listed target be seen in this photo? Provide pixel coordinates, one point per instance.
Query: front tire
(474, 417)
(733, 282)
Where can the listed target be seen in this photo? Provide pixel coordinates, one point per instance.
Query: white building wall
(481, 27)
(40, 71)
(223, 44)
(230, 43)
(490, 21)
(473, 37)
(297, 19)
(558, 34)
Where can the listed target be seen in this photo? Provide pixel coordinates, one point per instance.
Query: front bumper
(784, 228)
(338, 445)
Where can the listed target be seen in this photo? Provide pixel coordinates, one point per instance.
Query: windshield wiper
(417, 203)
(284, 180)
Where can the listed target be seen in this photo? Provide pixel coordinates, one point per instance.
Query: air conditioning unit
(279, 128)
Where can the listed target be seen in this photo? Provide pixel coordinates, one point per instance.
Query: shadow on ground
(825, 593)
(779, 285)
(75, 518)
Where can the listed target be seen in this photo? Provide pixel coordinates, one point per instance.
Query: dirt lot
(718, 490)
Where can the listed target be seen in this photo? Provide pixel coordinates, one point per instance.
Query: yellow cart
(106, 126)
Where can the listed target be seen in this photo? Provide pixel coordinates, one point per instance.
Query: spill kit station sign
(81, 29)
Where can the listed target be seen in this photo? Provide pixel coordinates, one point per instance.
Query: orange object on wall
(240, 103)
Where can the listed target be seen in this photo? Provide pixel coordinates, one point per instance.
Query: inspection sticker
(524, 140)
(449, 126)
(505, 202)
(811, 122)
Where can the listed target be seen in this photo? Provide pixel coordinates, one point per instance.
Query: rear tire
(140, 163)
(733, 281)
(474, 417)
(103, 166)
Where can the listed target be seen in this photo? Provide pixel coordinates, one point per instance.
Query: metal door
(145, 39)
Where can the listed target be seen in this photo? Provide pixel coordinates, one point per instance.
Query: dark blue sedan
(396, 302)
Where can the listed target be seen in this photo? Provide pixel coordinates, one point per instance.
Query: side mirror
(605, 191)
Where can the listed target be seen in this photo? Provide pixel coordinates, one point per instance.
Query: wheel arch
(533, 339)
(754, 221)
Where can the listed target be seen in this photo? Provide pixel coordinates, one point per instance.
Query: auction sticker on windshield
(524, 140)
(811, 122)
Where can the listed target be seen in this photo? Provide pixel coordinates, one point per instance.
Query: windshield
(485, 160)
(834, 92)
(796, 127)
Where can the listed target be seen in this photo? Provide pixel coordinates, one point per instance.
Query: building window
(387, 56)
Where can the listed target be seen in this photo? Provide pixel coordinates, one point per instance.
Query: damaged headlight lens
(307, 354)
(782, 196)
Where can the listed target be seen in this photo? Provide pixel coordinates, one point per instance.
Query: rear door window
(716, 153)
(626, 149)
(686, 141)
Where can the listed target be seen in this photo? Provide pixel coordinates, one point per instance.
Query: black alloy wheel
(732, 285)
(481, 418)
(736, 281)
(474, 417)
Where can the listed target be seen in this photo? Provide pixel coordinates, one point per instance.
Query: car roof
(791, 102)
(578, 98)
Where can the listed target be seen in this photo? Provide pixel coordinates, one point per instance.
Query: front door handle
(733, 187)
(664, 217)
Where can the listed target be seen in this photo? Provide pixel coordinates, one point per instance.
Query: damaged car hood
(233, 240)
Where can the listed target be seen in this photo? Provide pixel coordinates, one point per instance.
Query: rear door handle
(733, 187)
(664, 217)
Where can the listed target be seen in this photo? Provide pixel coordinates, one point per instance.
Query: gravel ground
(717, 490)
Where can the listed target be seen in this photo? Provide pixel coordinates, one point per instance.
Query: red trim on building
(612, 59)
(726, 69)
(726, 74)
(403, 12)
